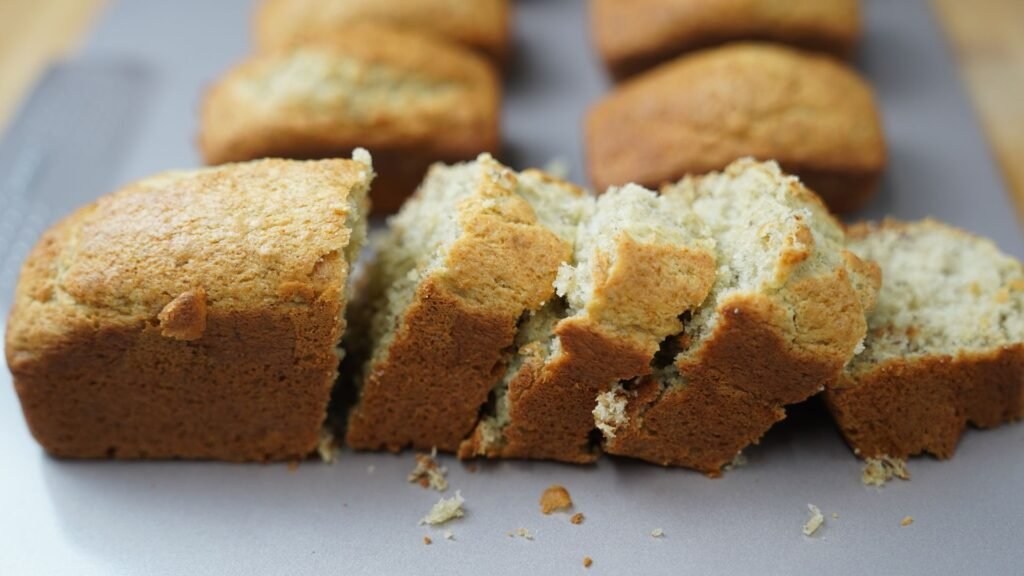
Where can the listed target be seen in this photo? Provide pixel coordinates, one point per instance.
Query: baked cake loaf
(640, 262)
(945, 346)
(479, 24)
(785, 314)
(408, 98)
(632, 36)
(192, 314)
(698, 113)
(474, 249)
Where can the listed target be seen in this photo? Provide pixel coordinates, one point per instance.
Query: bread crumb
(577, 518)
(738, 461)
(326, 447)
(427, 540)
(556, 497)
(587, 561)
(522, 533)
(815, 521)
(428, 473)
(657, 533)
(835, 515)
(449, 535)
(878, 471)
(446, 509)
(907, 521)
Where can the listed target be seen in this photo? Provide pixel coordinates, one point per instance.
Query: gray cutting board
(127, 108)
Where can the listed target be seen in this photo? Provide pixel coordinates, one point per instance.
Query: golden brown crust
(907, 406)
(480, 24)
(149, 323)
(449, 350)
(700, 112)
(635, 35)
(410, 99)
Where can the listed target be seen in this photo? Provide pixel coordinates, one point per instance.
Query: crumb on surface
(814, 522)
(835, 515)
(327, 448)
(449, 535)
(427, 540)
(446, 509)
(587, 561)
(522, 533)
(738, 461)
(577, 518)
(657, 533)
(907, 521)
(428, 473)
(556, 497)
(878, 471)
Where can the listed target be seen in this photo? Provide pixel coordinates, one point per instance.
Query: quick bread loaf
(640, 262)
(191, 314)
(700, 112)
(632, 36)
(945, 346)
(482, 25)
(410, 99)
(785, 314)
(476, 248)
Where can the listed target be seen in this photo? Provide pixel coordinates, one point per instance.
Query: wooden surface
(987, 37)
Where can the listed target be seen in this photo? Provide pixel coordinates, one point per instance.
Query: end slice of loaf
(476, 248)
(191, 314)
(785, 314)
(640, 262)
(945, 346)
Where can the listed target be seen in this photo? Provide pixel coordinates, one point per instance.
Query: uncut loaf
(191, 314)
(409, 98)
(945, 345)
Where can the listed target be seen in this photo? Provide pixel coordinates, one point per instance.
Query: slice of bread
(640, 262)
(479, 24)
(191, 314)
(476, 248)
(785, 314)
(632, 36)
(945, 346)
(698, 113)
(409, 98)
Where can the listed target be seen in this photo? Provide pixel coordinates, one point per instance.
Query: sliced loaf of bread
(785, 314)
(640, 262)
(474, 249)
(945, 346)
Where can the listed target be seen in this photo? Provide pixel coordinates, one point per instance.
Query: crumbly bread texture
(785, 314)
(632, 36)
(640, 261)
(698, 113)
(482, 25)
(410, 99)
(476, 248)
(945, 346)
(191, 314)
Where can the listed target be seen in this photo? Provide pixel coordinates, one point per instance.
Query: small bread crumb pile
(815, 521)
(449, 535)
(428, 473)
(878, 471)
(556, 497)
(427, 540)
(577, 518)
(657, 533)
(907, 521)
(587, 561)
(326, 447)
(522, 533)
(446, 509)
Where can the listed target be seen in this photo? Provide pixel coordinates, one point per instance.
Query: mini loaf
(192, 314)
(474, 249)
(945, 346)
(785, 314)
(482, 25)
(698, 113)
(640, 262)
(410, 99)
(632, 36)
